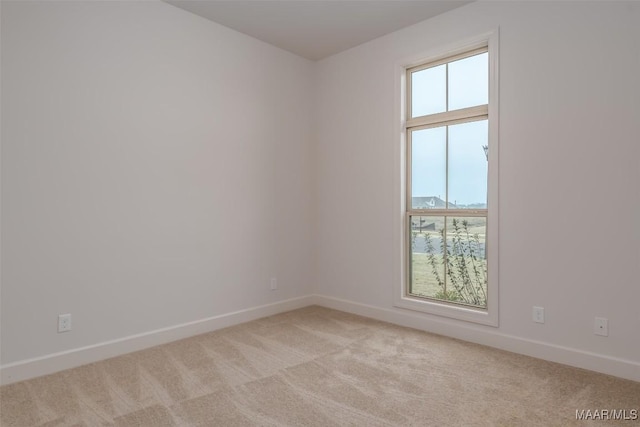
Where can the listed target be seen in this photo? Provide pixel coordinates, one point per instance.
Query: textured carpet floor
(317, 367)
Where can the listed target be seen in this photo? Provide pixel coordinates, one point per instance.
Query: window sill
(452, 311)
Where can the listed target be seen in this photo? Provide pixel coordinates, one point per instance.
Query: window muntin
(447, 180)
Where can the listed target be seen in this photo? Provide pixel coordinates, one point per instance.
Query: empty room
(317, 213)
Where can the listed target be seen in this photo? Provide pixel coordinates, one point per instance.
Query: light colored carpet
(317, 367)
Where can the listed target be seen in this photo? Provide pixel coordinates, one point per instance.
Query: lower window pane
(455, 272)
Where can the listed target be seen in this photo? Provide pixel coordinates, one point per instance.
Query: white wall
(569, 175)
(155, 171)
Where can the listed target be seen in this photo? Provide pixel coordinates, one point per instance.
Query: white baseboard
(51, 363)
(48, 364)
(626, 369)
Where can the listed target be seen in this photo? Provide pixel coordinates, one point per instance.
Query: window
(451, 190)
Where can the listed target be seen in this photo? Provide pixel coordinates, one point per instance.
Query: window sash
(408, 181)
(409, 261)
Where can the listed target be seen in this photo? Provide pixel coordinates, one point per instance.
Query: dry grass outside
(424, 282)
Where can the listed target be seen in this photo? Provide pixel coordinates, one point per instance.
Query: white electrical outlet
(538, 314)
(274, 283)
(601, 327)
(64, 323)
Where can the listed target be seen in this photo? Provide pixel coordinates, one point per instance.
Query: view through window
(447, 175)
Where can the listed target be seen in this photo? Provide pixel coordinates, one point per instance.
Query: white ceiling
(315, 29)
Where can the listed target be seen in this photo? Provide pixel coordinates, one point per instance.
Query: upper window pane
(468, 165)
(428, 168)
(469, 82)
(429, 91)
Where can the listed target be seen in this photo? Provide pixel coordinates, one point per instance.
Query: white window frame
(402, 299)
